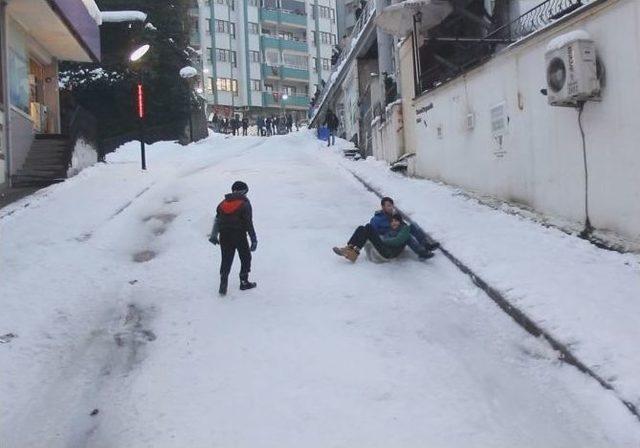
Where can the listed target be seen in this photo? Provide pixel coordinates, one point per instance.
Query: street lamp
(135, 56)
(187, 73)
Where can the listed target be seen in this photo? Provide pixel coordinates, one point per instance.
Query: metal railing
(536, 18)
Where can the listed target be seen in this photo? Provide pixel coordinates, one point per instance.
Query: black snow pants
(367, 233)
(230, 241)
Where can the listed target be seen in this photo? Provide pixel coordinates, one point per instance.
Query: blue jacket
(381, 223)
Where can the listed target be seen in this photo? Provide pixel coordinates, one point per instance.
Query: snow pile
(108, 283)
(188, 72)
(150, 26)
(84, 156)
(123, 16)
(560, 41)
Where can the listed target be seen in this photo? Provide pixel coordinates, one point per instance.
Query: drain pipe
(4, 61)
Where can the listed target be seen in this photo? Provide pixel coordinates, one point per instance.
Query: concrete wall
(387, 134)
(538, 160)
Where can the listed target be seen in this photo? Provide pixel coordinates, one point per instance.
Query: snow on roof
(188, 72)
(123, 16)
(94, 11)
(564, 39)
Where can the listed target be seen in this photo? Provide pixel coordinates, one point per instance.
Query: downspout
(4, 60)
(316, 13)
(212, 33)
(246, 51)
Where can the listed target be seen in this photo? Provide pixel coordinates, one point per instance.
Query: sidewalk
(10, 195)
(587, 298)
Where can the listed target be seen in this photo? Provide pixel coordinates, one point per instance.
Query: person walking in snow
(388, 246)
(331, 122)
(234, 220)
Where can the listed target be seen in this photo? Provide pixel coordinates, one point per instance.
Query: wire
(588, 229)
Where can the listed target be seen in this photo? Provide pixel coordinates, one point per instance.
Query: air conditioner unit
(572, 74)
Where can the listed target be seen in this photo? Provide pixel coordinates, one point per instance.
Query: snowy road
(109, 283)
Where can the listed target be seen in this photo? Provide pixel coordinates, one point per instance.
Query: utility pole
(4, 60)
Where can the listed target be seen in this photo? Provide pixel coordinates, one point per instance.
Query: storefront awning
(65, 28)
(397, 19)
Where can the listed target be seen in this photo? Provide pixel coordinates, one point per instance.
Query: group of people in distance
(386, 232)
(266, 126)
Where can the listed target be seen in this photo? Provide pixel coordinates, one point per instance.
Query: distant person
(331, 122)
(289, 123)
(260, 125)
(245, 125)
(268, 127)
(233, 221)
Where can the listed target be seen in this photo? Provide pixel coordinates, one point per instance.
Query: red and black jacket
(234, 214)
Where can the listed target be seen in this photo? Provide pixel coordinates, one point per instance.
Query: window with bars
(326, 64)
(254, 28)
(254, 56)
(324, 12)
(256, 85)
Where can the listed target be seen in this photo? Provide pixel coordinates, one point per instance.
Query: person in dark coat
(245, 125)
(420, 243)
(260, 125)
(234, 220)
(388, 246)
(267, 123)
(331, 122)
(289, 123)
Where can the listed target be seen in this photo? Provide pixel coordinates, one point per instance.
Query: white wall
(387, 135)
(539, 161)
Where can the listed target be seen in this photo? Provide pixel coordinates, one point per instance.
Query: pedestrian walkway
(585, 297)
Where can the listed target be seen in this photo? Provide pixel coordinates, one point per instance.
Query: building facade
(263, 56)
(35, 35)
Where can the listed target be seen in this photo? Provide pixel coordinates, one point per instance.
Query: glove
(213, 239)
(254, 245)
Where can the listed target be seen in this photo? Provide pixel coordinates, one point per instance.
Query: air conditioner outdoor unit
(572, 74)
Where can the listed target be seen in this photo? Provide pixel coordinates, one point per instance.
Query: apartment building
(263, 54)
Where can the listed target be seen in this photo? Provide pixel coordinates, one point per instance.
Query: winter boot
(425, 255)
(349, 252)
(431, 245)
(246, 284)
(223, 286)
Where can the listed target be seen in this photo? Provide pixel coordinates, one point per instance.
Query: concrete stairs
(46, 163)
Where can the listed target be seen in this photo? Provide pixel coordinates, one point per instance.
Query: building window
(223, 55)
(227, 85)
(272, 56)
(327, 38)
(326, 64)
(289, 90)
(254, 56)
(254, 2)
(209, 86)
(315, 64)
(209, 55)
(208, 30)
(256, 85)
(222, 26)
(325, 13)
(296, 61)
(268, 87)
(253, 28)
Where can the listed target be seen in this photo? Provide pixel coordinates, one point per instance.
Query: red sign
(140, 101)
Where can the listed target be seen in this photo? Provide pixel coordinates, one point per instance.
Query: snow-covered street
(110, 286)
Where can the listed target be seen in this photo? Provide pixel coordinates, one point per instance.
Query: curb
(516, 314)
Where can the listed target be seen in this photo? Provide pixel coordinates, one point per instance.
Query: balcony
(283, 17)
(281, 72)
(284, 44)
(292, 102)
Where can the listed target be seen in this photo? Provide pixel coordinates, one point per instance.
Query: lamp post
(188, 73)
(134, 57)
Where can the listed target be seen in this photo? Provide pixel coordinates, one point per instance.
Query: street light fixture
(139, 52)
(135, 57)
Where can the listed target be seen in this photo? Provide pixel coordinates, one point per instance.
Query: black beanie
(239, 187)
